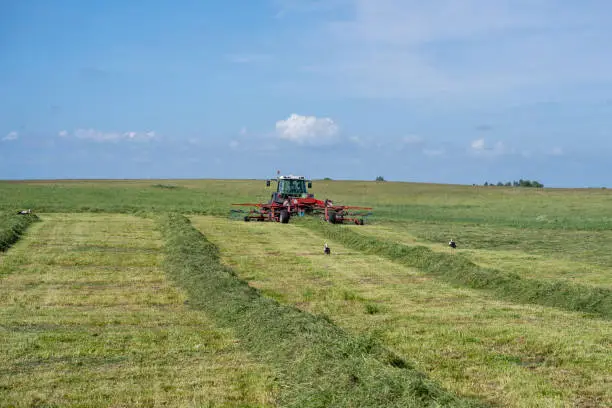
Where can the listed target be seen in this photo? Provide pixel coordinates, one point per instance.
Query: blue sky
(438, 91)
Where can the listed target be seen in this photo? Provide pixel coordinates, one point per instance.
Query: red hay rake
(291, 199)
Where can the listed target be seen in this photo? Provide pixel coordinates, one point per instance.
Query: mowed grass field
(573, 256)
(473, 341)
(509, 354)
(88, 318)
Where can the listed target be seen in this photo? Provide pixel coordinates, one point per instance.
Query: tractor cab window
(292, 187)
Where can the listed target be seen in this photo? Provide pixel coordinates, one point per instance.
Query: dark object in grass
(326, 249)
(24, 212)
(452, 244)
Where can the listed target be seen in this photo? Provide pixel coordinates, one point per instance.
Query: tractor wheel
(331, 217)
(284, 217)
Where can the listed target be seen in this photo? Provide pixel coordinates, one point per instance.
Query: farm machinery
(292, 199)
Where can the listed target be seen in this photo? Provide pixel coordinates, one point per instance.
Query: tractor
(292, 198)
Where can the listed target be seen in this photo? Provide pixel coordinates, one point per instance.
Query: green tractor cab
(290, 187)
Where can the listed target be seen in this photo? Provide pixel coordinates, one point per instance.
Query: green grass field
(106, 302)
(556, 209)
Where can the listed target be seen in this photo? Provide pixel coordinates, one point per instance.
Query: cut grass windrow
(98, 333)
(469, 341)
(457, 269)
(318, 364)
(12, 226)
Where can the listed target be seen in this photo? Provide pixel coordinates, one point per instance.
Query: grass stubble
(88, 318)
(473, 343)
(573, 256)
(455, 268)
(317, 363)
(558, 235)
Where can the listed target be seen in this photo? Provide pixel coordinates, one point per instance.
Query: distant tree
(522, 183)
(500, 184)
(486, 184)
(380, 178)
(327, 179)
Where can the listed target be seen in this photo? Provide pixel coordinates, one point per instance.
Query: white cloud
(99, 136)
(243, 131)
(139, 135)
(478, 144)
(234, 144)
(307, 130)
(106, 136)
(11, 136)
(444, 48)
(479, 147)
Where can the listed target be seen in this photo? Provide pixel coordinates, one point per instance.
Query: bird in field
(326, 249)
(452, 244)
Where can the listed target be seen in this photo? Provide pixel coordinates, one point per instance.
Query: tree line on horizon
(515, 183)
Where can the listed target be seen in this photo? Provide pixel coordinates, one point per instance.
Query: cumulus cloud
(11, 136)
(108, 136)
(478, 144)
(479, 147)
(307, 130)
